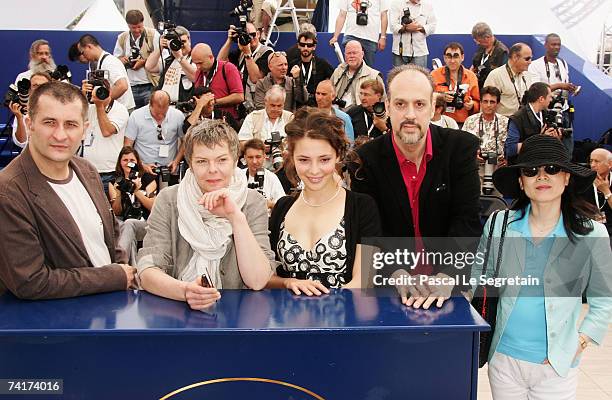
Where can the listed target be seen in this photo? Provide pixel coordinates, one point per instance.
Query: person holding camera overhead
(348, 76)
(530, 120)
(177, 71)
(132, 194)
(201, 106)
(90, 49)
(411, 22)
(104, 135)
(133, 48)
(458, 84)
(154, 132)
(19, 106)
(251, 58)
(370, 117)
(366, 23)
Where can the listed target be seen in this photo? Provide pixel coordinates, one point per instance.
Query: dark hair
(312, 123)
(535, 91)
(73, 52)
(134, 17)
(255, 144)
(454, 45)
(88, 39)
(577, 213)
(128, 150)
(492, 90)
(373, 84)
(63, 92)
(551, 36)
(308, 35)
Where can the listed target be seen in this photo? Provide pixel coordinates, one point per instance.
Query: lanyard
(495, 130)
(557, 70)
(513, 84)
(307, 76)
(368, 127)
(210, 76)
(449, 80)
(350, 81)
(538, 116)
(138, 41)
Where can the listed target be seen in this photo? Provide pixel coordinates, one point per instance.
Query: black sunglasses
(309, 45)
(253, 35)
(452, 55)
(533, 171)
(159, 133)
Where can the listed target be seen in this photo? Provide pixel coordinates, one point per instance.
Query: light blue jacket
(571, 268)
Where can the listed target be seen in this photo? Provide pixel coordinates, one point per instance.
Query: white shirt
(138, 77)
(371, 31)
(509, 103)
(85, 214)
(15, 140)
(538, 70)
(116, 71)
(446, 122)
(25, 74)
(248, 126)
(273, 189)
(414, 44)
(173, 76)
(102, 151)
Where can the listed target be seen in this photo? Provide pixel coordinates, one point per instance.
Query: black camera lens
(175, 44)
(379, 109)
(101, 92)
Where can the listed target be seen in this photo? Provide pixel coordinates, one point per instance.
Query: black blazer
(359, 123)
(449, 195)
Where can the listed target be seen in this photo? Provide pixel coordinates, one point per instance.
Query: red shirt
(223, 87)
(412, 181)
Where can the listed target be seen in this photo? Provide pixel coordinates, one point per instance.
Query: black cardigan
(361, 220)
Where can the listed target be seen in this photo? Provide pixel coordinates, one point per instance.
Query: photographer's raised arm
(153, 63)
(225, 49)
(119, 88)
(20, 131)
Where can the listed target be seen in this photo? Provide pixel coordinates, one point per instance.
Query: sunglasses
(530, 172)
(159, 133)
(253, 35)
(277, 54)
(452, 55)
(309, 45)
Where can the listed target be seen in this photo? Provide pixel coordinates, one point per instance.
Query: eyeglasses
(253, 35)
(276, 54)
(309, 45)
(452, 55)
(159, 133)
(533, 171)
(527, 58)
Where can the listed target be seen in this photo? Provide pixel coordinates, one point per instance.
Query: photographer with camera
(530, 120)
(491, 53)
(221, 77)
(251, 57)
(348, 76)
(41, 60)
(132, 194)
(553, 70)
(370, 118)
(411, 22)
(120, 90)
(491, 129)
(367, 24)
(260, 124)
(172, 61)
(133, 48)
(295, 88)
(201, 106)
(17, 101)
(438, 117)
(313, 69)
(260, 178)
(325, 96)
(458, 84)
(154, 132)
(104, 135)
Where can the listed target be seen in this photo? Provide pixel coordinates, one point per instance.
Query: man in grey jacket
(59, 234)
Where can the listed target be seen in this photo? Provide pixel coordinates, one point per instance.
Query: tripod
(290, 8)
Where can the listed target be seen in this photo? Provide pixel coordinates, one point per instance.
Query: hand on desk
(422, 294)
(199, 297)
(306, 286)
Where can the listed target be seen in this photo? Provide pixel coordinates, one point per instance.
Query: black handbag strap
(501, 242)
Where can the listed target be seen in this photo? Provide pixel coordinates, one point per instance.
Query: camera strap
(509, 71)
(448, 77)
(481, 131)
(350, 81)
(211, 74)
(140, 40)
(368, 127)
(102, 60)
(557, 69)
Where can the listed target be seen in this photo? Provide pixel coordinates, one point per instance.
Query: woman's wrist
(237, 218)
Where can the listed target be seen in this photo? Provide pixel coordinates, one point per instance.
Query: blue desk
(347, 345)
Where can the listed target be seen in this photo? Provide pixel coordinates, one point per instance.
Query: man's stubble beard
(411, 138)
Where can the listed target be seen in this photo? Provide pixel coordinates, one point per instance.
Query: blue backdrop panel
(593, 106)
(347, 345)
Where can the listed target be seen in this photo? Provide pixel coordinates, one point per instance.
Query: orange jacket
(439, 78)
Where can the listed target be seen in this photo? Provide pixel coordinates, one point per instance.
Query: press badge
(449, 109)
(89, 138)
(164, 150)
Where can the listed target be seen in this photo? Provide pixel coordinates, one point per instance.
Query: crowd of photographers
(146, 94)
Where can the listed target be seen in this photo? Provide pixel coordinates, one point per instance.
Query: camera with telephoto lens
(18, 93)
(258, 183)
(163, 176)
(339, 102)
(458, 103)
(554, 118)
(133, 58)
(61, 73)
(126, 185)
(490, 165)
(96, 79)
(379, 109)
(362, 14)
(241, 35)
(275, 153)
(406, 17)
(241, 8)
(171, 35)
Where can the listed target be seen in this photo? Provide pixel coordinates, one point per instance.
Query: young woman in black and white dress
(317, 234)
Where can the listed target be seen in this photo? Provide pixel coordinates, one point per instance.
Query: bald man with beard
(222, 77)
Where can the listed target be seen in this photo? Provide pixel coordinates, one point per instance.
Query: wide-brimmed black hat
(538, 150)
